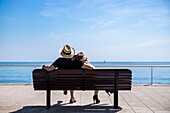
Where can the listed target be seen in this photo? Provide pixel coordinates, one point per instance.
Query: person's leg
(72, 100)
(95, 97)
(96, 92)
(65, 92)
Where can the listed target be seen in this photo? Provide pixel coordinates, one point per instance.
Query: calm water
(21, 72)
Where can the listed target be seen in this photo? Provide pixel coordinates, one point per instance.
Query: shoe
(95, 99)
(72, 100)
(65, 92)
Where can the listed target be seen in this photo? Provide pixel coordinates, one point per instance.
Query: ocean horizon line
(90, 61)
(104, 64)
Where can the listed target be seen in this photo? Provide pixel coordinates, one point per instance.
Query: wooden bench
(98, 79)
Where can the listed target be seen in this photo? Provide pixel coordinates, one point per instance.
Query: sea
(142, 72)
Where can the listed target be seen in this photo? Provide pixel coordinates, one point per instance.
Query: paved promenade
(141, 99)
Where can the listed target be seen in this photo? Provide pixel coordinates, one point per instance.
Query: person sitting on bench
(81, 57)
(66, 62)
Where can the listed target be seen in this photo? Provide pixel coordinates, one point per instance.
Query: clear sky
(111, 30)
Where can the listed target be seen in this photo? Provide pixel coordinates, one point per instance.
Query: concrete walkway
(141, 99)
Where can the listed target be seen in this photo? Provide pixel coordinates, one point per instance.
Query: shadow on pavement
(65, 108)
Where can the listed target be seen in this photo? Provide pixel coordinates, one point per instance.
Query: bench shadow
(66, 108)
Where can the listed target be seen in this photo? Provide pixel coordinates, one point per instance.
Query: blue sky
(111, 30)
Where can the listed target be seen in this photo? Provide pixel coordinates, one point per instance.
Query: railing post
(151, 75)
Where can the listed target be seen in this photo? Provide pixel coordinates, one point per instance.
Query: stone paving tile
(161, 112)
(141, 99)
(9, 101)
(58, 97)
(151, 103)
(4, 89)
(18, 91)
(129, 97)
(123, 103)
(142, 110)
(159, 98)
(158, 109)
(87, 100)
(32, 102)
(9, 109)
(37, 94)
(126, 110)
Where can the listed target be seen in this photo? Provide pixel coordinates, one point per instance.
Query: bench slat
(94, 79)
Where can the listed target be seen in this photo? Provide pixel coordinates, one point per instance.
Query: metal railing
(151, 68)
(133, 66)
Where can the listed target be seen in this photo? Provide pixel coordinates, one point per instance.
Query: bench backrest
(79, 79)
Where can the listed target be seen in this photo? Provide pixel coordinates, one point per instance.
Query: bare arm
(87, 66)
(48, 68)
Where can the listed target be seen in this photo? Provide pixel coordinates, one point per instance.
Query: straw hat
(81, 56)
(67, 51)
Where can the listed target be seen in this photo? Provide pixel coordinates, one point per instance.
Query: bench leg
(48, 99)
(116, 99)
(116, 91)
